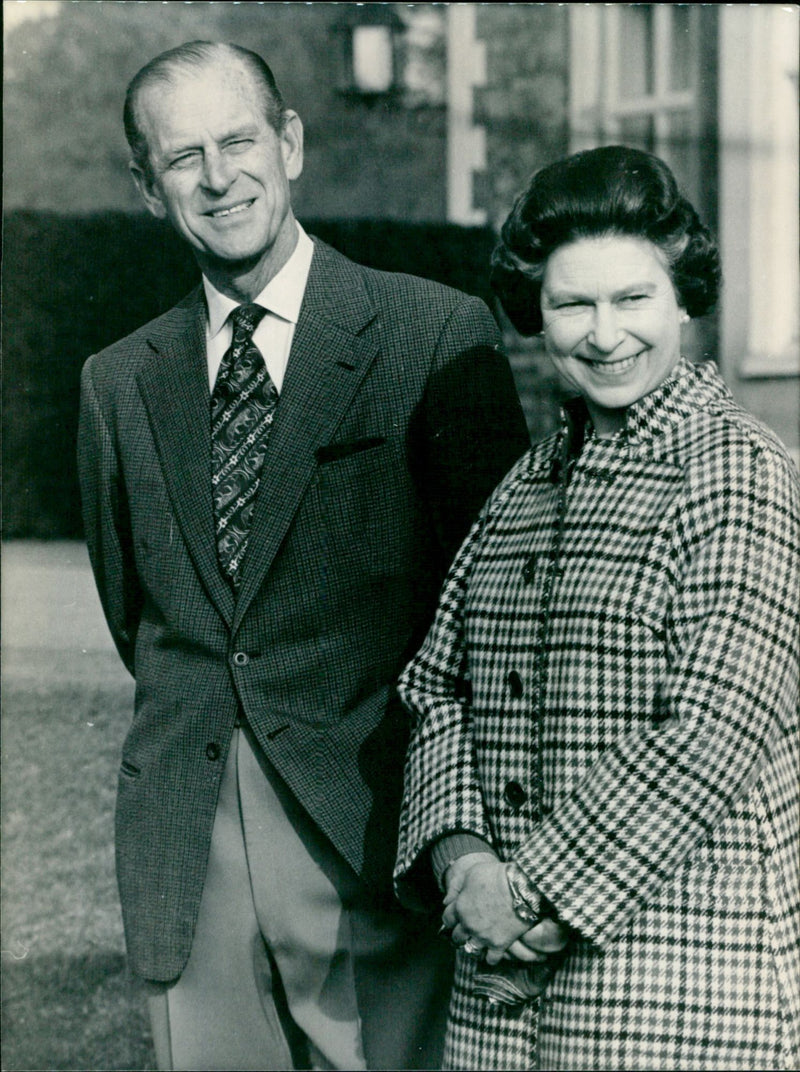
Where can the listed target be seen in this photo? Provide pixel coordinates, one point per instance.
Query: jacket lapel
(174, 386)
(334, 346)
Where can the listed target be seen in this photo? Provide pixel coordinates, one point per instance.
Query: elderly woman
(603, 773)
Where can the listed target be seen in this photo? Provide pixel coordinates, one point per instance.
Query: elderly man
(276, 474)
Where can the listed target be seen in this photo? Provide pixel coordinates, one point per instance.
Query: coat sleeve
(728, 698)
(442, 791)
(471, 427)
(106, 521)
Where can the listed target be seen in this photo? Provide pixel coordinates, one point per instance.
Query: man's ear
(146, 188)
(292, 144)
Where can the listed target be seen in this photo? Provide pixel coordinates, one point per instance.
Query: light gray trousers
(290, 967)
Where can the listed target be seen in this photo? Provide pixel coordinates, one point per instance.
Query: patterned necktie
(242, 407)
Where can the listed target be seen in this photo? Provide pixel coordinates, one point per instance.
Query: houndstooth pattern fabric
(242, 408)
(623, 646)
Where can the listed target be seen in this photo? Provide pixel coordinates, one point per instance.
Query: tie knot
(246, 318)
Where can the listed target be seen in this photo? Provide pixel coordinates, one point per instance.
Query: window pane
(372, 59)
(682, 44)
(682, 153)
(681, 137)
(635, 50)
(638, 132)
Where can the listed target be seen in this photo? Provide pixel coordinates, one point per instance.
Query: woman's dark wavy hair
(611, 190)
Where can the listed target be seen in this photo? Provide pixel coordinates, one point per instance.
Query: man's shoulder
(396, 291)
(132, 349)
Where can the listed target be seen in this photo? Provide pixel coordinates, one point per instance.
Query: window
(758, 225)
(712, 89)
(645, 75)
(646, 82)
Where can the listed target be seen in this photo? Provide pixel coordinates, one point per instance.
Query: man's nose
(218, 172)
(606, 331)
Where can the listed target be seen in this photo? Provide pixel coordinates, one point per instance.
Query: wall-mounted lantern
(369, 36)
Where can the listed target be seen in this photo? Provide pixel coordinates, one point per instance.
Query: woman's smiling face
(612, 322)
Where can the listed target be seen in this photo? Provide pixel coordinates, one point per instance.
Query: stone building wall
(523, 110)
(523, 104)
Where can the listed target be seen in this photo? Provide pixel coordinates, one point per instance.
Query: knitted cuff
(450, 847)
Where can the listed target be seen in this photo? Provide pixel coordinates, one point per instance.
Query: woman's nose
(606, 331)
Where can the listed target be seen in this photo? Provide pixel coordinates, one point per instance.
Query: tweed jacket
(397, 417)
(609, 695)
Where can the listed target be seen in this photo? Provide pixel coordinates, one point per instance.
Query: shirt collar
(282, 296)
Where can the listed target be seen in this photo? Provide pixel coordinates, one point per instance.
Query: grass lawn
(68, 1001)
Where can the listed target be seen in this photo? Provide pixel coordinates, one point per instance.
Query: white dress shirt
(281, 297)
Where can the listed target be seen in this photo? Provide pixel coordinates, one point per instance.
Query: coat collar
(334, 345)
(691, 387)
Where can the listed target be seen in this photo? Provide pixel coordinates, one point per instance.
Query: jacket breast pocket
(335, 452)
(368, 503)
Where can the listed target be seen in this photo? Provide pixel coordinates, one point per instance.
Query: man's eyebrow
(178, 146)
(239, 132)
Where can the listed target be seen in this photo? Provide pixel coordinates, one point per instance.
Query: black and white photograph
(400, 559)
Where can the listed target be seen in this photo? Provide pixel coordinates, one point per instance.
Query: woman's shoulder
(728, 453)
(535, 462)
(528, 471)
(718, 427)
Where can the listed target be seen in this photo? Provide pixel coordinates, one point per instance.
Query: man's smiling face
(220, 171)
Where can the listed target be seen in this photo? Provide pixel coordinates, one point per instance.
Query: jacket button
(241, 658)
(212, 750)
(515, 795)
(529, 570)
(515, 684)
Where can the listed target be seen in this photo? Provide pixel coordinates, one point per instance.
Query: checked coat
(397, 417)
(609, 696)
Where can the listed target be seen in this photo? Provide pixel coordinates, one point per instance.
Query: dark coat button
(212, 750)
(515, 684)
(529, 570)
(241, 658)
(515, 795)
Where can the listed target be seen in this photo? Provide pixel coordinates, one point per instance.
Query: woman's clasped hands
(479, 912)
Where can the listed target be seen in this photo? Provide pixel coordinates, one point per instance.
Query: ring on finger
(472, 947)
